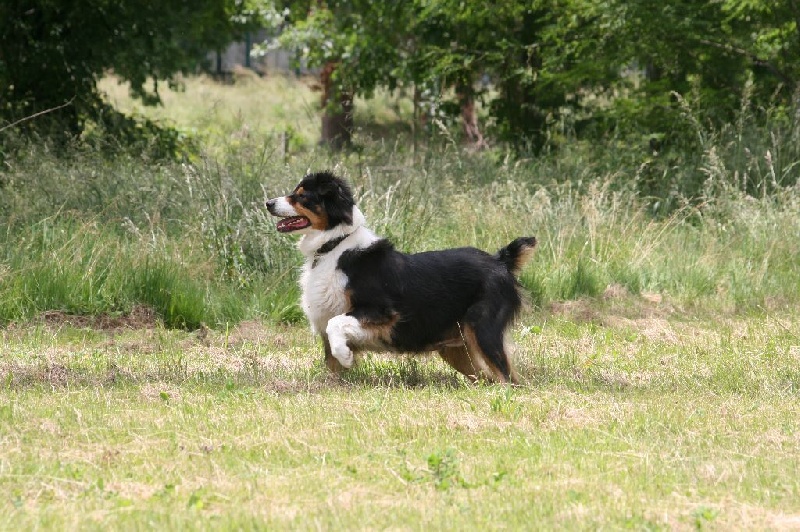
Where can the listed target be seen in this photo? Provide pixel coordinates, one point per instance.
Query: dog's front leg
(344, 331)
(331, 363)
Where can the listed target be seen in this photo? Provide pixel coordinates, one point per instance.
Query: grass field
(649, 422)
(156, 372)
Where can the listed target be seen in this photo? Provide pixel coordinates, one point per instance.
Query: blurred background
(651, 145)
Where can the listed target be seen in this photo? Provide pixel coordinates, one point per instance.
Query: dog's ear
(328, 185)
(327, 189)
(331, 187)
(339, 203)
(337, 197)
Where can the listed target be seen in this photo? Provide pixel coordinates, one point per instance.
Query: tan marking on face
(319, 220)
(523, 258)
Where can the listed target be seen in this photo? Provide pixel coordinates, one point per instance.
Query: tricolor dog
(359, 293)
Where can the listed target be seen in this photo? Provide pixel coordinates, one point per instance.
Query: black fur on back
(432, 295)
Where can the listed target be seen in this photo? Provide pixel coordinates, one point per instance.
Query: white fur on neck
(322, 283)
(313, 240)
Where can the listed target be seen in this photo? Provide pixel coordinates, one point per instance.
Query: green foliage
(114, 133)
(53, 52)
(705, 53)
(542, 69)
(434, 46)
(594, 67)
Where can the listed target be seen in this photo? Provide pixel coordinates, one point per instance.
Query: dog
(359, 293)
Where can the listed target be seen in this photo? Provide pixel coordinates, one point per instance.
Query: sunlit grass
(195, 242)
(156, 370)
(645, 423)
(248, 108)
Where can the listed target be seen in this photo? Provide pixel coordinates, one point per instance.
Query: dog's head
(321, 201)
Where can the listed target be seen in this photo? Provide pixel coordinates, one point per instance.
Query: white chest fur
(323, 285)
(323, 289)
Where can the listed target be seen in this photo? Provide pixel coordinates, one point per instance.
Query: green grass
(205, 251)
(157, 372)
(650, 422)
(252, 108)
(195, 242)
(240, 113)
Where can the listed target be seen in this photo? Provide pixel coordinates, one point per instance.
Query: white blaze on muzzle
(291, 220)
(281, 207)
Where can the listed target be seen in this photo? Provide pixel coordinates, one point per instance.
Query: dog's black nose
(271, 206)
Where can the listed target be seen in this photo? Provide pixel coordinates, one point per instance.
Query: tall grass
(192, 240)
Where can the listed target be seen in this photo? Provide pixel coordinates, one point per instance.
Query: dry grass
(247, 109)
(244, 110)
(623, 421)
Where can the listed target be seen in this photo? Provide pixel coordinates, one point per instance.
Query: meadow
(157, 372)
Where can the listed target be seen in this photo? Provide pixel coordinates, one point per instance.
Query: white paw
(343, 354)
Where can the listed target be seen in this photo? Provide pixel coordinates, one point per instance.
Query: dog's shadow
(402, 372)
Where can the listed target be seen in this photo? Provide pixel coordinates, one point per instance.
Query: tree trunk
(337, 112)
(469, 117)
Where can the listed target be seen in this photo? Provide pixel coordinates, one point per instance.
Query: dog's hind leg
(469, 357)
(484, 334)
(459, 359)
(487, 353)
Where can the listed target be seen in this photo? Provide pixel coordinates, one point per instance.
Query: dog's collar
(327, 247)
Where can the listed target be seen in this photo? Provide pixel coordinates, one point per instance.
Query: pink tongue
(293, 223)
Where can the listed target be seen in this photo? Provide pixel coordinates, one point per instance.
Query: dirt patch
(580, 310)
(256, 333)
(56, 375)
(654, 329)
(615, 291)
(141, 317)
(615, 300)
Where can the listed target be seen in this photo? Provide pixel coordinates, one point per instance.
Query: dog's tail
(517, 253)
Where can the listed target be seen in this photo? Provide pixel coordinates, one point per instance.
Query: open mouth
(292, 223)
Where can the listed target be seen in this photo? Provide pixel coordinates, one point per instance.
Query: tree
(358, 45)
(52, 52)
(706, 52)
(441, 44)
(546, 56)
